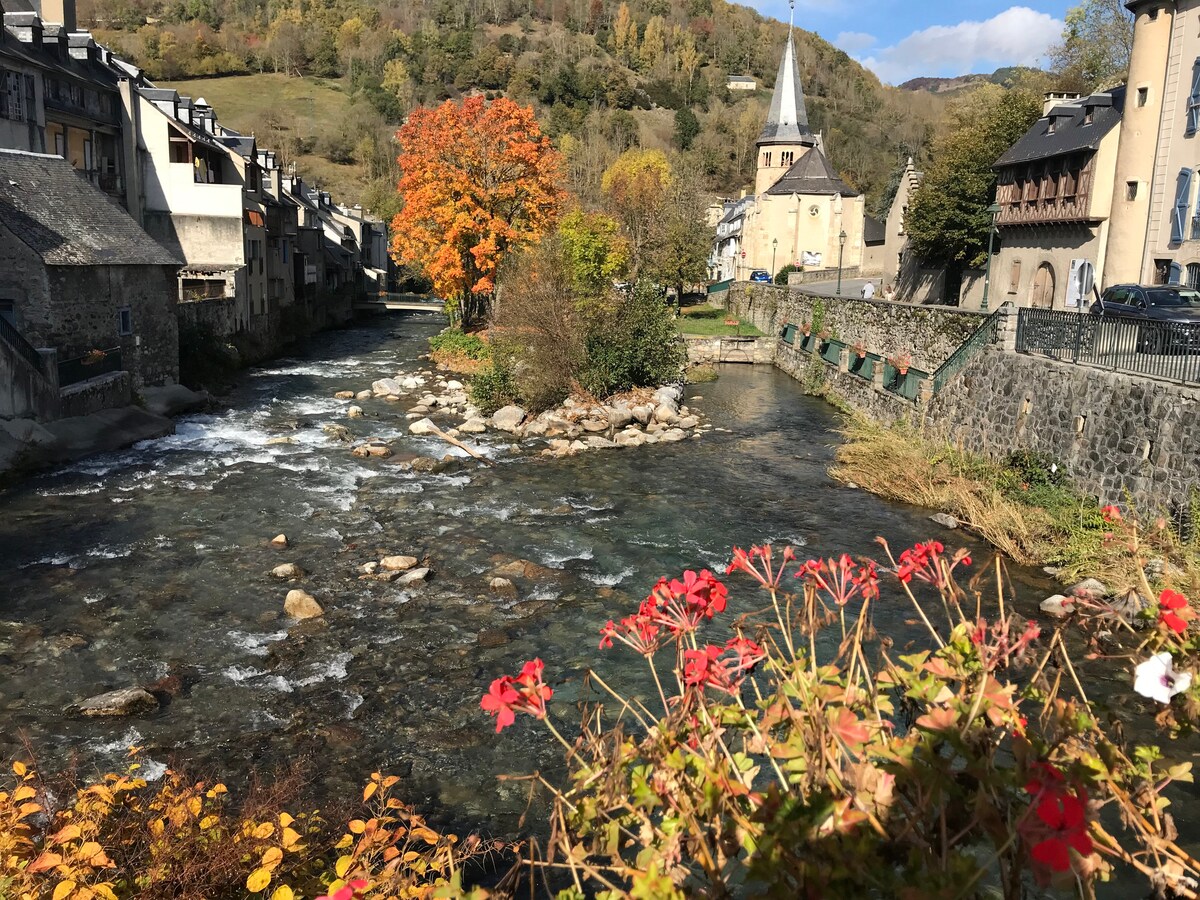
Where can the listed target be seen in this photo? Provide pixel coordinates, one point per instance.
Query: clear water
(125, 567)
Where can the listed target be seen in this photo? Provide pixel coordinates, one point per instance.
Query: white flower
(1158, 680)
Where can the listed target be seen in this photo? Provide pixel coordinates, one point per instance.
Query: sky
(902, 39)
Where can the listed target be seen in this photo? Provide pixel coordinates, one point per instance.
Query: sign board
(808, 259)
(1080, 282)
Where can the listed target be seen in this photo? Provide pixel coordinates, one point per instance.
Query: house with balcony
(1054, 196)
(726, 252)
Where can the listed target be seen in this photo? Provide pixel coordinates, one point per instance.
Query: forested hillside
(603, 76)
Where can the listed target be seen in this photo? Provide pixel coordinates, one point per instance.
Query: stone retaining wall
(929, 333)
(102, 392)
(709, 351)
(1117, 435)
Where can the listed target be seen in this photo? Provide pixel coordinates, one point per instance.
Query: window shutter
(1183, 196)
(1176, 275)
(1193, 106)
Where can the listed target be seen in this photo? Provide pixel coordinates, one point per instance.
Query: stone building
(801, 213)
(78, 275)
(1055, 194)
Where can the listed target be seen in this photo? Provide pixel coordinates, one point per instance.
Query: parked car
(762, 276)
(1168, 315)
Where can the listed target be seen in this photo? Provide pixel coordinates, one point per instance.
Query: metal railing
(16, 340)
(719, 286)
(92, 365)
(981, 337)
(1169, 350)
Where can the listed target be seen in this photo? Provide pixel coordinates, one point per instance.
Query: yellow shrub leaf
(285, 819)
(103, 890)
(342, 866)
(19, 768)
(90, 849)
(345, 842)
(257, 880)
(194, 806)
(264, 830)
(426, 834)
(68, 833)
(369, 791)
(357, 826)
(24, 792)
(272, 858)
(290, 838)
(208, 822)
(64, 889)
(283, 892)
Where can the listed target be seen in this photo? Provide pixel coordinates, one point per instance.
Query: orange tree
(479, 181)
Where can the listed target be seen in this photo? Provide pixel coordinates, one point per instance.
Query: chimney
(59, 12)
(26, 27)
(1052, 99)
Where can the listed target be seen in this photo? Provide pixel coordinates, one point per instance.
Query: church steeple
(787, 122)
(786, 137)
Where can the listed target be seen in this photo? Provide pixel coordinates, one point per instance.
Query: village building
(78, 276)
(1054, 196)
(741, 83)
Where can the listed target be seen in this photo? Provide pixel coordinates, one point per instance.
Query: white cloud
(855, 41)
(1019, 36)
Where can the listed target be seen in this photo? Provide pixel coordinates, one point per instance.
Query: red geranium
(1060, 823)
(1169, 602)
(508, 696)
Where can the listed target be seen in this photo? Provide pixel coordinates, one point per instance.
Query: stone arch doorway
(1041, 291)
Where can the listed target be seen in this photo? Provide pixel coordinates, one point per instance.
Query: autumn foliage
(479, 181)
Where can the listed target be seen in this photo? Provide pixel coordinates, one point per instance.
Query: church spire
(787, 122)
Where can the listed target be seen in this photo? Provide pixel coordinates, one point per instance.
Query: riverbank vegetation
(803, 756)
(713, 321)
(1025, 505)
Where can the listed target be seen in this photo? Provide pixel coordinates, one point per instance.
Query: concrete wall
(1114, 433)
(929, 333)
(111, 391)
(26, 393)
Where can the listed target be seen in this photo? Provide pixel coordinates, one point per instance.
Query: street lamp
(994, 209)
(774, 247)
(841, 249)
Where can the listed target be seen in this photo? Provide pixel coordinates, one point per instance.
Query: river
(126, 567)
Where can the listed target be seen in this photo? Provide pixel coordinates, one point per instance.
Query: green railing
(719, 286)
(100, 362)
(981, 337)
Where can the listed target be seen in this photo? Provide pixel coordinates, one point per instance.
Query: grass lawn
(709, 321)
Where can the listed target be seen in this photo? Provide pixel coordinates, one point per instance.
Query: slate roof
(812, 174)
(48, 206)
(1070, 134)
(787, 121)
(874, 231)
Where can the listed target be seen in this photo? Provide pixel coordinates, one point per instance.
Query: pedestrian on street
(868, 290)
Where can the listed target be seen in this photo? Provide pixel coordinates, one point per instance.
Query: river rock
(281, 439)
(536, 428)
(503, 587)
(454, 385)
(689, 422)
(630, 438)
(287, 570)
(410, 383)
(473, 426)
(671, 435)
(369, 568)
(344, 395)
(508, 418)
(670, 393)
(642, 414)
(398, 563)
(578, 445)
(414, 576)
(385, 386)
(123, 702)
(666, 414)
(945, 520)
(1130, 604)
(363, 395)
(421, 427)
(354, 412)
(1089, 589)
(618, 416)
(594, 426)
(1058, 606)
(425, 465)
(280, 540)
(595, 442)
(302, 605)
(338, 433)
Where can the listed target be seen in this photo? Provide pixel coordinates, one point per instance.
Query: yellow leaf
(369, 791)
(342, 866)
(345, 842)
(24, 792)
(19, 768)
(290, 838)
(64, 889)
(258, 880)
(105, 891)
(426, 834)
(194, 806)
(283, 892)
(68, 833)
(357, 826)
(272, 858)
(265, 830)
(285, 819)
(208, 822)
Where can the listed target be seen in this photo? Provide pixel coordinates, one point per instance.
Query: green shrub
(700, 375)
(781, 277)
(453, 341)
(495, 385)
(633, 343)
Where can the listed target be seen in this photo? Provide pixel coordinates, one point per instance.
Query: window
(1014, 276)
(16, 96)
(181, 150)
(1183, 198)
(1143, 95)
(8, 312)
(1070, 180)
(1162, 270)
(1193, 103)
(767, 159)
(124, 321)
(1050, 182)
(1193, 276)
(1131, 190)
(1089, 115)
(786, 158)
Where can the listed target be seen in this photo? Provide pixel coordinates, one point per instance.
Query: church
(801, 212)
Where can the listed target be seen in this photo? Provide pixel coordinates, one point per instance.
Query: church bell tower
(786, 137)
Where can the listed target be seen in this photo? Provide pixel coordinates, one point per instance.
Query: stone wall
(819, 377)
(111, 391)
(712, 350)
(1116, 434)
(24, 391)
(929, 333)
(816, 276)
(218, 316)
